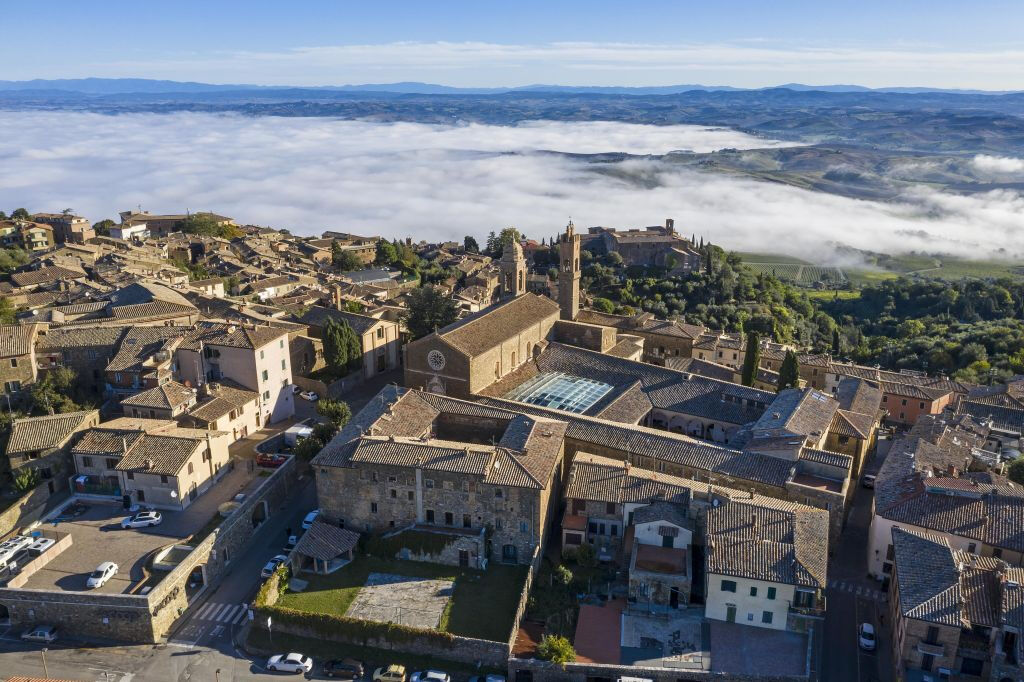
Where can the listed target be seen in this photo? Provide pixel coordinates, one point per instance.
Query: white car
(311, 396)
(290, 663)
(103, 573)
(296, 389)
(866, 637)
(430, 676)
(272, 565)
(41, 545)
(40, 633)
(143, 520)
(307, 522)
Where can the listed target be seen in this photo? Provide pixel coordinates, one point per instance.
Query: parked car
(143, 520)
(346, 669)
(311, 396)
(290, 663)
(391, 673)
(40, 633)
(103, 573)
(307, 522)
(866, 638)
(487, 678)
(273, 461)
(290, 545)
(41, 545)
(272, 565)
(296, 389)
(868, 480)
(431, 676)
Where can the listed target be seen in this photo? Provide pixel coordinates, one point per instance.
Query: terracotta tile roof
(141, 343)
(1004, 418)
(834, 459)
(927, 578)
(16, 339)
(484, 330)
(159, 454)
(222, 397)
(762, 543)
(644, 323)
(44, 275)
(81, 337)
(799, 412)
(233, 335)
(318, 316)
(325, 542)
(138, 311)
(168, 396)
(49, 431)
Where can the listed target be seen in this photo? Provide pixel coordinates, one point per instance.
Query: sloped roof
(16, 339)
(49, 431)
(488, 328)
(325, 542)
(233, 335)
(165, 396)
(318, 316)
(927, 578)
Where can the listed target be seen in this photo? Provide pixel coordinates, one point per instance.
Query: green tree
(26, 479)
(556, 649)
(354, 306)
(387, 254)
(355, 347)
(603, 305)
(343, 259)
(429, 310)
(789, 371)
(1015, 471)
(6, 311)
(102, 228)
(470, 245)
(336, 411)
(52, 394)
(307, 448)
(336, 348)
(751, 359)
(20, 214)
(206, 225)
(837, 346)
(12, 258)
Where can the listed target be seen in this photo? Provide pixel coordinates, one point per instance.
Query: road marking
(217, 631)
(242, 615)
(205, 609)
(216, 612)
(228, 614)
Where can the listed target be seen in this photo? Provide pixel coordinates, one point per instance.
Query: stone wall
(449, 554)
(534, 670)
(216, 551)
(123, 617)
(460, 649)
(25, 510)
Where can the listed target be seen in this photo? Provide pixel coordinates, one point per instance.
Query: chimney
(124, 445)
(951, 470)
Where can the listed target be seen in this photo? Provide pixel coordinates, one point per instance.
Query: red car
(273, 461)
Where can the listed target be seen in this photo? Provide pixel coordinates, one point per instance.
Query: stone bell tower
(512, 267)
(569, 272)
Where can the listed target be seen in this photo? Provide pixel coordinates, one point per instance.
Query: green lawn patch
(483, 603)
(827, 295)
(751, 257)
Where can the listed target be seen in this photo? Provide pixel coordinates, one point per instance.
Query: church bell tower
(569, 272)
(512, 267)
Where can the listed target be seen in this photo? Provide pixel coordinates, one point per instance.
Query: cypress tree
(789, 372)
(336, 347)
(751, 359)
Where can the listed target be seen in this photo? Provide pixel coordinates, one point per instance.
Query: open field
(482, 604)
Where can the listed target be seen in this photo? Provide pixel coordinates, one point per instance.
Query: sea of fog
(431, 182)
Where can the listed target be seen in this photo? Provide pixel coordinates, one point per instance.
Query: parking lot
(97, 536)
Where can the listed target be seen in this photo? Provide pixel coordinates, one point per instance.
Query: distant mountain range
(124, 86)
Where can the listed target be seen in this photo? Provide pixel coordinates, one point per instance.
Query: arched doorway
(259, 514)
(5, 615)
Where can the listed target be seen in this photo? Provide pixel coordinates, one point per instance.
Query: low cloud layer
(431, 182)
(998, 164)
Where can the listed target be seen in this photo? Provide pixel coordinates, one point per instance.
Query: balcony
(937, 650)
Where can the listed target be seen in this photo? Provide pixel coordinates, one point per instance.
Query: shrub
(556, 649)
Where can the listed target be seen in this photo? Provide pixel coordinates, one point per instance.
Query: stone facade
(569, 273)
(534, 670)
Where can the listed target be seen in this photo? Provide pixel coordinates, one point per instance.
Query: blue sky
(974, 44)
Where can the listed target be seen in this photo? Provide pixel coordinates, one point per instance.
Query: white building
(256, 357)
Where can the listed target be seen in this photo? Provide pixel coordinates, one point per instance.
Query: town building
(379, 339)
(18, 367)
(656, 245)
(423, 460)
(67, 227)
(43, 444)
(256, 357)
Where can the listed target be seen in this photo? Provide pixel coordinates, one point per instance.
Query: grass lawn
(370, 657)
(956, 269)
(482, 606)
(826, 295)
(860, 277)
(750, 257)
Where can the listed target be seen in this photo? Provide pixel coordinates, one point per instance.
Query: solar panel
(560, 391)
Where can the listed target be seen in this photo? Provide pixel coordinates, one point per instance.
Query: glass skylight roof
(560, 392)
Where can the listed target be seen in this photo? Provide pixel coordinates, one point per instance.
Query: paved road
(853, 598)
(202, 643)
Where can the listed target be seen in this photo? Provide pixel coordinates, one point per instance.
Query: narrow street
(854, 598)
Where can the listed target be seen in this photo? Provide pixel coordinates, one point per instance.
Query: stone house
(765, 566)
(18, 356)
(213, 286)
(44, 443)
(663, 339)
(153, 462)
(854, 428)
(380, 339)
(954, 614)
(144, 359)
(427, 460)
(67, 227)
(660, 570)
(86, 350)
(166, 401)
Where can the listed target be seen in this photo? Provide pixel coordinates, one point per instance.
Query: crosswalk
(219, 612)
(853, 588)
